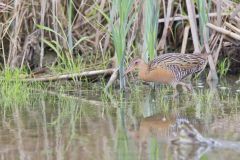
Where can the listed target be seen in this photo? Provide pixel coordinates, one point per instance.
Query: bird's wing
(183, 64)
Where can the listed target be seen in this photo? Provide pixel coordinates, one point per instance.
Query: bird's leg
(186, 87)
(189, 86)
(153, 86)
(175, 92)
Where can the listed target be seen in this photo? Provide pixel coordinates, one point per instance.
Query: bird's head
(135, 64)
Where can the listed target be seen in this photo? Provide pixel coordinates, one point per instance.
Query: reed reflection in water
(138, 126)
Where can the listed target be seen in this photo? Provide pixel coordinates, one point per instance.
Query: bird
(169, 68)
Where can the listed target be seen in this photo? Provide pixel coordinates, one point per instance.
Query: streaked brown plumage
(170, 68)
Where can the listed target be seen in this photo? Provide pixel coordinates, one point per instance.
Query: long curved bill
(129, 69)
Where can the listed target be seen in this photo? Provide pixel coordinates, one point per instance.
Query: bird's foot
(175, 94)
(187, 87)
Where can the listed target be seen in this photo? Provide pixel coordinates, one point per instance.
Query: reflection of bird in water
(187, 134)
(188, 143)
(157, 126)
(170, 68)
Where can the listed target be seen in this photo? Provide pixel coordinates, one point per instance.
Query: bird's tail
(202, 55)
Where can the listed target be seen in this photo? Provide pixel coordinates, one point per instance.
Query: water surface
(88, 124)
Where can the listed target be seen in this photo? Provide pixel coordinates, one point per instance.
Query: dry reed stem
(231, 41)
(193, 25)
(17, 18)
(42, 19)
(181, 17)
(224, 31)
(219, 12)
(213, 40)
(235, 12)
(99, 17)
(205, 41)
(226, 4)
(112, 78)
(134, 29)
(185, 38)
(162, 42)
(212, 74)
(87, 24)
(55, 25)
(235, 29)
(107, 36)
(5, 7)
(216, 54)
(212, 43)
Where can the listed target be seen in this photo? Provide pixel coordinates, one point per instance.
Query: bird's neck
(143, 71)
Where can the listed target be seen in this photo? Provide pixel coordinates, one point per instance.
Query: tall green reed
(122, 141)
(203, 19)
(223, 67)
(150, 16)
(64, 54)
(70, 15)
(63, 43)
(12, 89)
(121, 21)
(154, 149)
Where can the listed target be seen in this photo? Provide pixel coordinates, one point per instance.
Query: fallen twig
(69, 76)
(113, 78)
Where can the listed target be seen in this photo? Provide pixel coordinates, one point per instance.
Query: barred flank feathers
(181, 65)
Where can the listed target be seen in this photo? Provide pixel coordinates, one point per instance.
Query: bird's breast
(157, 75)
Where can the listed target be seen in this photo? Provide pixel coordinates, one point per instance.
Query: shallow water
(88, 124)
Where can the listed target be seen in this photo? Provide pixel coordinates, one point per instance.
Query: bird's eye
(136, 62)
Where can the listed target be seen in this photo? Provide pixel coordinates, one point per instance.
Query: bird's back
(180, 65)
